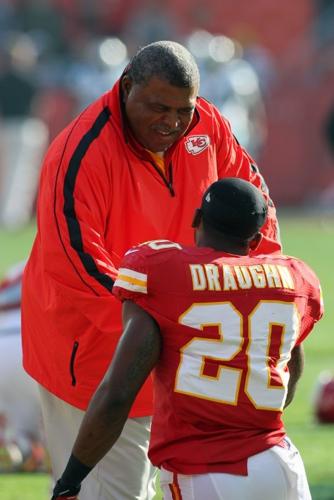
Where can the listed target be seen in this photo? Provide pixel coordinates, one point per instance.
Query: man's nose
(172, 120)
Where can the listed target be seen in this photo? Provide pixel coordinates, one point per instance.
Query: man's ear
(254, 243)
(126, 84)
(197, 218)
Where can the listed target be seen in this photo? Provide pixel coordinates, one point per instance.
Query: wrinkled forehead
(159, 90)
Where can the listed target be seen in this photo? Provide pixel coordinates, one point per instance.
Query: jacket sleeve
(314, 309)
(73, 212)
(234, 161)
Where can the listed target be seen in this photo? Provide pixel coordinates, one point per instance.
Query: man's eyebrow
(184, 108)
(187, 108)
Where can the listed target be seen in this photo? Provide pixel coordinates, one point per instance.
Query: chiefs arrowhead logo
(195, 144)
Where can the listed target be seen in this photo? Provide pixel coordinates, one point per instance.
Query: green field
(311, 238)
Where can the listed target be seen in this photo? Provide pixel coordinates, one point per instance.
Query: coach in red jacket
(131, 167)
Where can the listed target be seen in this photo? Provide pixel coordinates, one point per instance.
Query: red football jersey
(228, 324)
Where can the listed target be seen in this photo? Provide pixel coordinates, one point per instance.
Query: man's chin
(160, 148)
(163, 143)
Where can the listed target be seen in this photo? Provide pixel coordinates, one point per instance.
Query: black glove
(62, 491)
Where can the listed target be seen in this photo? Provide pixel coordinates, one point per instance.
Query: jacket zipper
(167, 182)
(74, 352)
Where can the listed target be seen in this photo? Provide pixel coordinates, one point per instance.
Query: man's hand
(64, 492)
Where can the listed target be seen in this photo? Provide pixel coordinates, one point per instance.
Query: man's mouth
(167, 133)
(164, 133)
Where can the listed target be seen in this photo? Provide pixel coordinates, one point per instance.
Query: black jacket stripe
(69, 206)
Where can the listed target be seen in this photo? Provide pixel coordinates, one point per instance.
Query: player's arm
(296, 366)
(136, 355)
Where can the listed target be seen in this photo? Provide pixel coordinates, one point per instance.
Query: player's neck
(222, 246)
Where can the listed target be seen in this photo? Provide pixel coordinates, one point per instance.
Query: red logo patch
(195, 144)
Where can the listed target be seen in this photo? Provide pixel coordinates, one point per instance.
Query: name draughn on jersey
(226, 277)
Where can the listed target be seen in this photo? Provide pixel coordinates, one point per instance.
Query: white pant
(125, 473)
(274, 474)
(19, 399)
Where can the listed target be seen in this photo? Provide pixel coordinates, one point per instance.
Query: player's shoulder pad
(139, 262)
(153, 248)
(312, 282)
(305, 272)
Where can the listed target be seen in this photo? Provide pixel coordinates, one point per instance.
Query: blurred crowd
(58, 56)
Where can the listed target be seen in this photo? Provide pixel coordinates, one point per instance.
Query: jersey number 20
(224, 387)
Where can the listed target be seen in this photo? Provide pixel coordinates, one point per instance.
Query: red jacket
(100, 193)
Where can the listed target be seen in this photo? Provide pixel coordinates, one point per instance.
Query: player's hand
(62, 491)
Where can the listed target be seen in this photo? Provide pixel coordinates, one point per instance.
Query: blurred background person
(21, 436)
(23, 138)
(326, 197)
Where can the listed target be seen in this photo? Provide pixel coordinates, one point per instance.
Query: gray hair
(169, 61)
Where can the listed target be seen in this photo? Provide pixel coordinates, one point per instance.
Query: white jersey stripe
(132, 274)
(133, 287)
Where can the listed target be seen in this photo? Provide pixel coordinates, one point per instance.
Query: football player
(323, 399)
(223, 332)
(21, 438)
